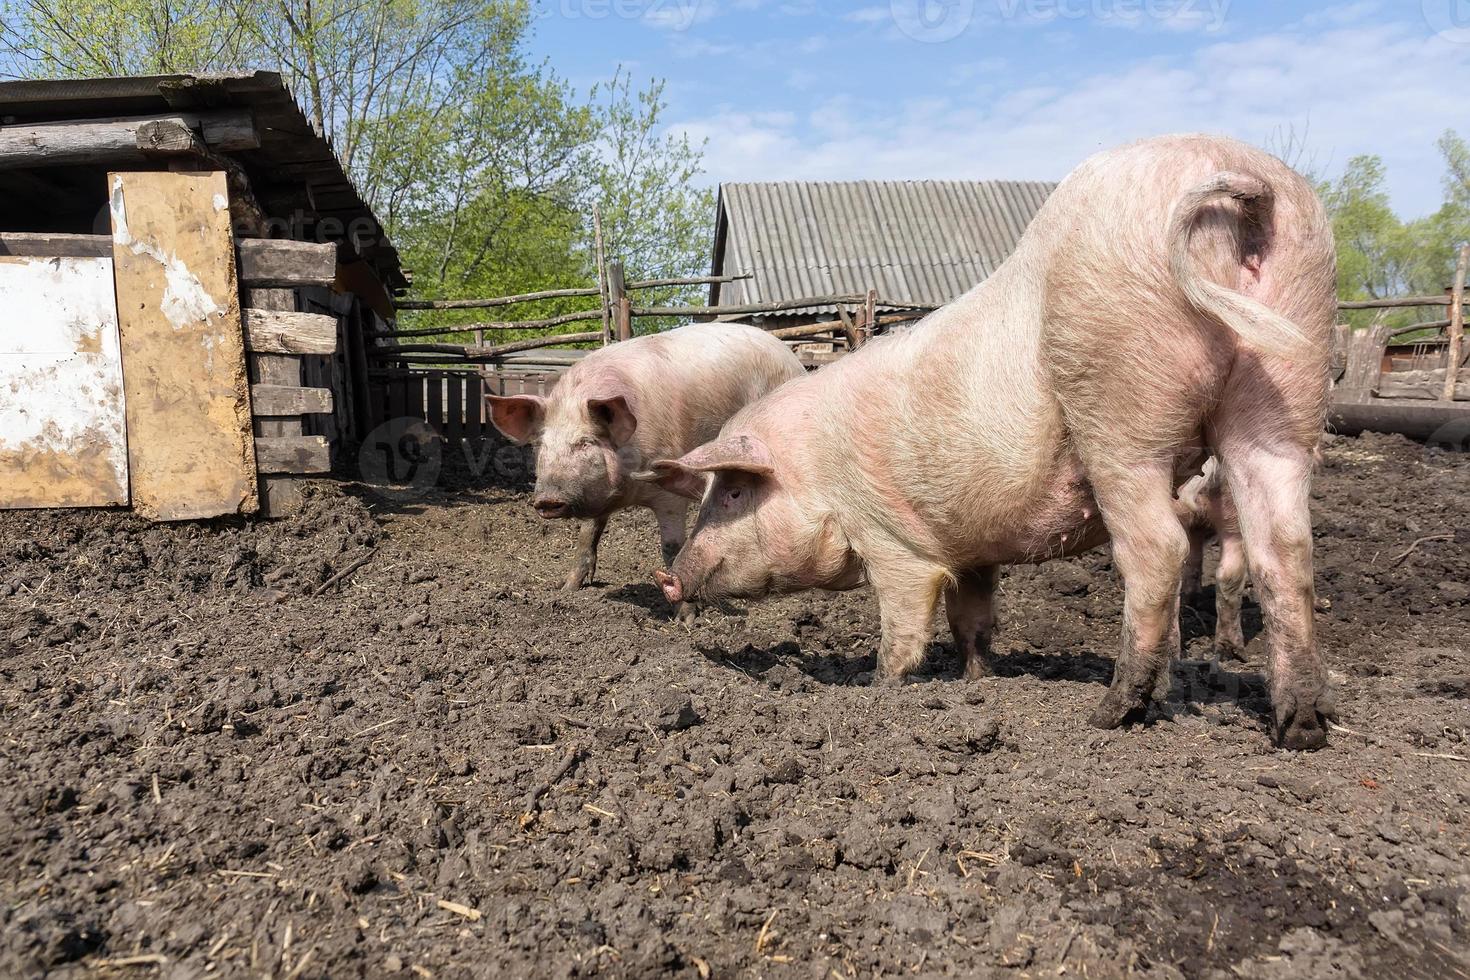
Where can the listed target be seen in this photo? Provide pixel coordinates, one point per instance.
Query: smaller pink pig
(628, 404)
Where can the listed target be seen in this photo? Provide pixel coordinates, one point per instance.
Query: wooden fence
(444, 384)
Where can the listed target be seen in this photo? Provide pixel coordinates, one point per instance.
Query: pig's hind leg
(969, 602)
(589, 536)
(1150, 548)
(1229, 589)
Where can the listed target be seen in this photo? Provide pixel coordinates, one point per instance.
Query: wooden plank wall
(452, 403)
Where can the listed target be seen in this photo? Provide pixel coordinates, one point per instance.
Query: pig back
(684, 384)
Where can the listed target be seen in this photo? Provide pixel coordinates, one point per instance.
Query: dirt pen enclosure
(375, 739)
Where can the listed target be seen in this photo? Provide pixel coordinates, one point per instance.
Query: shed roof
(920, 242)
(293, 172)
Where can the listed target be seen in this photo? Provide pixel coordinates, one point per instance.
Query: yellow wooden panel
(190, 449)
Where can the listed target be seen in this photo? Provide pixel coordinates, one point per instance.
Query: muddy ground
(444, 766)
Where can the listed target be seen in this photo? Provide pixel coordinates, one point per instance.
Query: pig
(1206, 510)
(630, 403)
(1172, 295)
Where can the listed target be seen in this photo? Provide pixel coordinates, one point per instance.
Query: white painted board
(63, 435)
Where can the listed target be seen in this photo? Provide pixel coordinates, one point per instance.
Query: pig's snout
(669, 582)
(550, 506)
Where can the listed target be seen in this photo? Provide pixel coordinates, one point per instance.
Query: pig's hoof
(577, 579)
(978, 668)
(1117, 709)
(1228, 651)
(1301, 729)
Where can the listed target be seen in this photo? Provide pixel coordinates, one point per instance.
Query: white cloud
(1379, 89)
(870, 15)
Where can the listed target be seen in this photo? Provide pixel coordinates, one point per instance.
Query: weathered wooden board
(190, 448)
(289, 332)
(1419, 385)
(261, 261)
(124, 140)
(269, 262)
(62, 434)
(292, 454)
(270, 400)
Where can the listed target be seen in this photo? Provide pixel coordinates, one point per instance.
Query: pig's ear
(733, 454)
(676, 478)
(519, 417)
(614, 415)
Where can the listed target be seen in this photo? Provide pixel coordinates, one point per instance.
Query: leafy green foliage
(1379, 255)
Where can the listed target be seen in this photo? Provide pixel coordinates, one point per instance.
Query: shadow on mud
(1195, 683)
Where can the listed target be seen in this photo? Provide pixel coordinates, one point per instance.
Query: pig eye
(733, 494)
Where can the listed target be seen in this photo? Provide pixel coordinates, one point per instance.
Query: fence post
(602, 278)
(617, 294)
(1457, 324)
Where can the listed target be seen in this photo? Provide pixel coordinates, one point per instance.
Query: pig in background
(627, 404)
(1172, 294)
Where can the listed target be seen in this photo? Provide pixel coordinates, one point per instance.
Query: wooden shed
(188, 283)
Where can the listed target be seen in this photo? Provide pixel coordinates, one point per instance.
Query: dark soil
(446, 767)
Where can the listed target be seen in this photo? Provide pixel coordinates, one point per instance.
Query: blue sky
(908, 89)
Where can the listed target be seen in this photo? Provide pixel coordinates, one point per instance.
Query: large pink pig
(1172, 294)
(628, 404)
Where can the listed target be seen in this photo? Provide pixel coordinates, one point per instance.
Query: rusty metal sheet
(190, 449)
(62, 431)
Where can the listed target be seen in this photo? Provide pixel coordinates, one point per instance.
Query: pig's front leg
(585, 565)
(908, 593)
(671, 534)
(970, 604)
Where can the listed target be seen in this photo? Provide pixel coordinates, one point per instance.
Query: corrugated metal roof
(294, 171)
(920, 242)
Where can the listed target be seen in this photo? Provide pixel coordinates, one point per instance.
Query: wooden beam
(484, 353)
(292, 454)
(124, 140)
(283, 400)
(52, 246)
(474, 304)
(262, 262)
(286, 332)
(1393, 302)
(267, 262)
